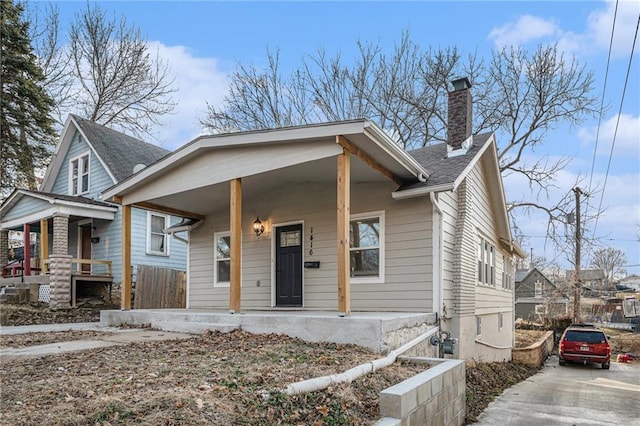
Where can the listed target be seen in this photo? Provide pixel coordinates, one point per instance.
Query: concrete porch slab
(378, 331)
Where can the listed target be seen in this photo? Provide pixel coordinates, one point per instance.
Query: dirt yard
(211, 379)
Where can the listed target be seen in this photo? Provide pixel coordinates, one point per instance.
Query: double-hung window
(222, 261)
(486, 262)
(157, 242)
(366, 247)
(507, 273)
(79, 175)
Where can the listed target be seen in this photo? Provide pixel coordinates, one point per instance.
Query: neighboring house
(537, 297)
(78, 230)
(591, 279)
(632, 282)
(338, 217)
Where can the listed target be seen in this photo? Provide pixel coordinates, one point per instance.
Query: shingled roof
(443, 170)
(119, 152)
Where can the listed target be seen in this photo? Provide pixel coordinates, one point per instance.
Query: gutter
(186, 225)
(422, 191)
(320, 383)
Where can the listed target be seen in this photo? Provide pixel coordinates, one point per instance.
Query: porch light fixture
(258, 227)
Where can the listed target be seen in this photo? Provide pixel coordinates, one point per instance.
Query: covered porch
(51, 253)
(262, 207)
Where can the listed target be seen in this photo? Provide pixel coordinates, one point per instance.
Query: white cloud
(525, 29)
(600, 23)
(627, 143)
(595, 37)
(198, 80)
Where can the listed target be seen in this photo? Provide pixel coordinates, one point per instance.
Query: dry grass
(212, 379)
(526, 338)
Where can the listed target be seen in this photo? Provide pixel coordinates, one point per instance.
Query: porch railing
(91, 262)
(16, 269)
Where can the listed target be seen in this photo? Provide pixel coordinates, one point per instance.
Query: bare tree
(518, 94)
(107, 72)
(611, 261)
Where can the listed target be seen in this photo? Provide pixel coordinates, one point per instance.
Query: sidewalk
(116, 337)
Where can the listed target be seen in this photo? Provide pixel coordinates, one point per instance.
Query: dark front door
(289, 265)
(85, 247)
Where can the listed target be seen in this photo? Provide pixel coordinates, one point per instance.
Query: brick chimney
(459, 116)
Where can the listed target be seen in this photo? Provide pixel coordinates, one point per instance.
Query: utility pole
(576, 282)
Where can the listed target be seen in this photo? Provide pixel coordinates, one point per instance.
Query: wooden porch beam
(344, 212)
(125, 290)
(175, 212)
(368, 160)
(44, 244)
(235, 215)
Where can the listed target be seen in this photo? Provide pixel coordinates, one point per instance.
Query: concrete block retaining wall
(536, 353)
(433, 397)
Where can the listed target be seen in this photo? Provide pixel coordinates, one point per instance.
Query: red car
(584, 343)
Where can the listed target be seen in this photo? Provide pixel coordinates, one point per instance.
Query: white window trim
(488, 258)
(216, 235)
(380, 278)
(166, 237)
(70, 177)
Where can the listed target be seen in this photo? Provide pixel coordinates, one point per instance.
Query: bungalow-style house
(79, 233)
(338, 217)
(538, 297)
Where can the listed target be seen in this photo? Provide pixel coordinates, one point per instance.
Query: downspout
(437, 271)
(320, 383)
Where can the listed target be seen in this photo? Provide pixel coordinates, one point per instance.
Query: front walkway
(378, 331)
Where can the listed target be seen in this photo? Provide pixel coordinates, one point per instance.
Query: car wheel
(562, 362)
(605, 365)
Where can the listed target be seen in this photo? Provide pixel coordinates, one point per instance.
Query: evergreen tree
(26, 127)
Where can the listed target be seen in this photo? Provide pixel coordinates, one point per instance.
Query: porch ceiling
(208, 199)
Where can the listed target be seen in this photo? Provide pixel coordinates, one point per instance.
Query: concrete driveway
(570, 395)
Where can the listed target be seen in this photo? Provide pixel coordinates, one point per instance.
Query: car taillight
(561, 346)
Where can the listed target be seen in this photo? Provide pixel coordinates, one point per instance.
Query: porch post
(343, 209)
(125, 290)
(4, 249)
(235, 215)
(44, 245)
(26, 237)
(60, 265)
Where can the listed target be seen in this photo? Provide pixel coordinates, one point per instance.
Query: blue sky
(203, 41)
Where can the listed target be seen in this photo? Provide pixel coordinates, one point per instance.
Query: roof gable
(446, 174)
(117, 152)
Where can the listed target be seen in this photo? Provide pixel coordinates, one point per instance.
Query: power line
(615, 133)
(604, 90)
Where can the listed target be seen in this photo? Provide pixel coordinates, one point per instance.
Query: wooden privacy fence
(158, 288)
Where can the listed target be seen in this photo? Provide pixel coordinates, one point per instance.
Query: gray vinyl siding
(99, 179)
(408, 249)
(26, 205)
(448, 202)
